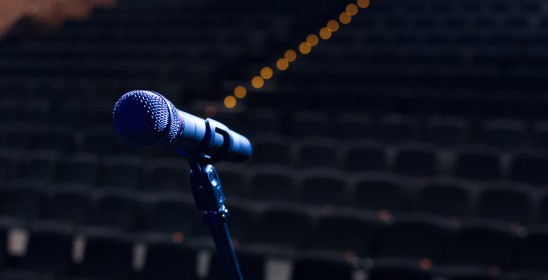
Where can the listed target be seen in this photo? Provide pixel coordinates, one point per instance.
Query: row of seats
(417, 242)
(49, 254)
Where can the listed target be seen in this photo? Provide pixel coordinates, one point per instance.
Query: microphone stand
(210, 198)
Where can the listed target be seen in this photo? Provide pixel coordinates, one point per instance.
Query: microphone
(146, 119)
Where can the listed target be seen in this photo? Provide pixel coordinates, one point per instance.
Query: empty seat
(106, 256)
(483, 243)
(233, 179)
(80, 169)
(173, 214)
(40, 166)
(392, 270)
(320, 266)
(363, 156)
(252, 265)
(273, 183)
(272, 150)
(397, 128)
(529, 167)
(353, 126)
(416, 159)
(446, 131)
(504, 134)
(49, 251)
(8, 164)
(445, 196)
(115, 210)
(97, 140)
(166, 175)
(417, 237)
(315, 152)
(378, 191)
(506, 201)
(283, 226)
(533, 249)
(165, 260)
(540, 135)
(122, 172)
(263, 121)
(310, 124)
(347, 233)
(478, 163)
(323, 187)
(24, 202)
(70, 206)
(56, 138)
(543, 209)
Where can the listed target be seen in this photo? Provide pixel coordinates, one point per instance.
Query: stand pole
(210, 198)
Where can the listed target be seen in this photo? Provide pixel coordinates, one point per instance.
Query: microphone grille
(146, 119)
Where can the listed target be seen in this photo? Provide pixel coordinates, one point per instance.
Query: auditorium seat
(252, 265)
(164, 174)
(69, 205)
(273, 183)
(540, 135)
(318, 153)
(172, 214)
(446, 196)
(351, 126)
(347, 232)
(168, 261)
(310, 124)
(55, 138)
(80, 168)
(378, 191)
(447, 132)
(321, 266)
(416, 159)
(323, 187)
(282, 226)
(263, 122)
(506, 201)
(49, 251)
(504, 134)
(121, 171)
(117, 210)
(362, 155)
(21, 275)
(391, 270)
(23, 201)
(242, 219)
(417, 237)
(483, 243)
(478, 163)
(97, 139)
(234, 180)
(529, 167)
(397, 128)
(532, 250)
(272, 150)
(107, 255)
(8, 164)
(40, 166)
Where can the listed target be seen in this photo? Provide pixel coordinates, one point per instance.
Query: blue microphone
(146, 119)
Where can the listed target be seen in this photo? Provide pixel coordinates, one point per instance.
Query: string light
(282, 64)
(230, 102)
(257, 82)
(240, 92)
(290, 55)
(267, 73)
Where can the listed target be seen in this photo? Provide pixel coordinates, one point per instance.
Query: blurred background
(393, 140)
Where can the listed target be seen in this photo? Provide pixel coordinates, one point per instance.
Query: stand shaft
(225, 251)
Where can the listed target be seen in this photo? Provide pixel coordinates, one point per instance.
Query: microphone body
(146, 119)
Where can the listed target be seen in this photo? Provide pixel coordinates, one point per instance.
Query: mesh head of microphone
(146, 119)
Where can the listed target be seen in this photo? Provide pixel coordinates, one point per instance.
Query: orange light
(325, 33)
(290, 55)
(282, 64)
(333, 25)
(230, 102)
(352, 9)
(312, 40)
(345, 18)
(210, 111)
(425, 264)
(363, 3)
(305, 48)
(177, 237)
(257, 82)
(266, 73)
(240, 92)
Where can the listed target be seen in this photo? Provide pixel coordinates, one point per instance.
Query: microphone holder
(209, 196)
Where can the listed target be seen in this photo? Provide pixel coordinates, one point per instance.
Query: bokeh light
(210, 111)
(282, 64)
(352, 9)
(305, 48)
(290, 55)
(345, 18)
(312, 40)
(363, 3)
(240, 92)
(325, 33)
(266, 73)
(333, 25)
(230, 102)
(257, 82)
